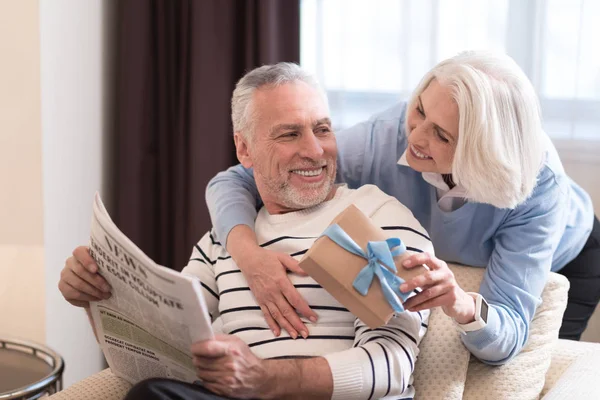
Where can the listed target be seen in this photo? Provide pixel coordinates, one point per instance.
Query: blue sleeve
(368, 151)
(517, 273)
(232, 199)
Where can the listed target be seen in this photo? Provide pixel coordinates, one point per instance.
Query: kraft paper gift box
(336, 268)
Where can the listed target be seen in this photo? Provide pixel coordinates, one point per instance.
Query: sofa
(546, 368)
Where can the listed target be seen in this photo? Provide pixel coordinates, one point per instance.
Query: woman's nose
(419, 133)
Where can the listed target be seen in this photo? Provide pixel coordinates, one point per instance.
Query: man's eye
(289, 134)
(324, 129)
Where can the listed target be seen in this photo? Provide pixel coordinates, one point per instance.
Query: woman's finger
(426, 280)
(270, 321)
(426, 295)
(440, 301)
(291, 264)
(291, 316)
(424, 259)
(281, 320)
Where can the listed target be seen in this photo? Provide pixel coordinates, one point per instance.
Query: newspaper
(147, 326)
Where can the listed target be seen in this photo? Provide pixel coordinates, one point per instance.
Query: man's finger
(281, 320)
(93, 279)
(298, 302)
(210, 349)
(73, 295)
(82, 254)
(291, 264)
(207, 363)
(208, 376)
(81, 286)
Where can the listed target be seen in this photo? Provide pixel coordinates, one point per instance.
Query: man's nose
(310, 146)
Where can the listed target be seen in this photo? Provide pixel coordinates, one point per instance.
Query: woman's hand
(280, 302)
(266, 273)
(439, 289)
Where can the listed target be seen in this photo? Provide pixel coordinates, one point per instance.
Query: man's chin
(305, 198)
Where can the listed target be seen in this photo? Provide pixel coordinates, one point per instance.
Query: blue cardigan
(518, 247)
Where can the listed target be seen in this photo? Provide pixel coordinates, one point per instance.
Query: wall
(76, 50)
(21, 228)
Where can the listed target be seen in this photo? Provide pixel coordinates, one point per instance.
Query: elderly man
(282, 129)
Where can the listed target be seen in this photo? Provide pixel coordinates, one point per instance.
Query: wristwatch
(481, 315)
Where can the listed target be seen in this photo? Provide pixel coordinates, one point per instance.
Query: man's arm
(200, 266)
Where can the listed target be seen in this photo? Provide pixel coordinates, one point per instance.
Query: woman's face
(432, 130)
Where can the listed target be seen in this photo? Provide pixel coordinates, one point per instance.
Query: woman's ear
(242, 150)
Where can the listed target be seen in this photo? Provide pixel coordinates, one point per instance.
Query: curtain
(177, 64)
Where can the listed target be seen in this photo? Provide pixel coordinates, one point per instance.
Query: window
(370, 54)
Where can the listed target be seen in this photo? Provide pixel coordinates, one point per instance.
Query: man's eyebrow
(285, 127)
(436, 125)
(322, 121)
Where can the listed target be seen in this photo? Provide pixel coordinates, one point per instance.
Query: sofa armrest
(579, 381)
(573, 371)
(101, 386)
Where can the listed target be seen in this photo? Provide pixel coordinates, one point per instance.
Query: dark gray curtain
(177, 64)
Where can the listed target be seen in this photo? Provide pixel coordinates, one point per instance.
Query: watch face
(484, 310)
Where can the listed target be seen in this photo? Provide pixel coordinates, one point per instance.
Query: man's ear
(242, 150)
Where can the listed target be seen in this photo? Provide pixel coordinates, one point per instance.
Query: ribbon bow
(380, 256)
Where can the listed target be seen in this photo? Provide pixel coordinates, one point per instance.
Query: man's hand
(80, 282)
(266, 273)
(228, 368)
(439, 289)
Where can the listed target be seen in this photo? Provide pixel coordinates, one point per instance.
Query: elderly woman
(468, 156)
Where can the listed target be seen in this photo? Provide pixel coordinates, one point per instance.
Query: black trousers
(169, 389)
(584, 275)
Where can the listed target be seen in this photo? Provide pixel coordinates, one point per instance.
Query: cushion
(523, 377)
(441, 369)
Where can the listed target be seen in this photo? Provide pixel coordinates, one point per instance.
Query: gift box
(352, 258)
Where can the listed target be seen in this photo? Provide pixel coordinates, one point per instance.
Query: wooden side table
(28, 370)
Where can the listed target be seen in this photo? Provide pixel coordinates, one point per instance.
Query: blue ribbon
(380, 256)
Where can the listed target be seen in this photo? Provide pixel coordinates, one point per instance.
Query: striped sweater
(365, 363)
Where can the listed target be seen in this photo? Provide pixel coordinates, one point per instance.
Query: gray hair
(266, 76)
(500, 146)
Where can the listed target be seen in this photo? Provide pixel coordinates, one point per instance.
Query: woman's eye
(420, 111)
(441, 137)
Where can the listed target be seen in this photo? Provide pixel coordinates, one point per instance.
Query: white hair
(500, 150)
(242, 111)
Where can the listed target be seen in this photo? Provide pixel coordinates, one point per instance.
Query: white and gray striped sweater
(365, 363)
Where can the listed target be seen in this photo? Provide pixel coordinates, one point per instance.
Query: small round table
(28, 370)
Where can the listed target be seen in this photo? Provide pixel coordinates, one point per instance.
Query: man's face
(292, 148)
